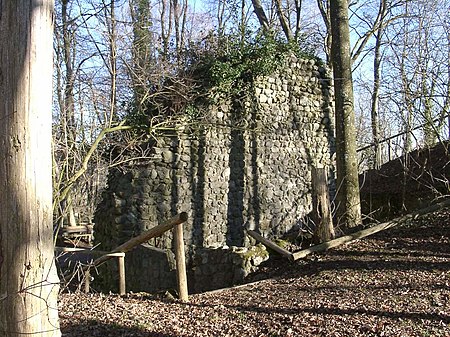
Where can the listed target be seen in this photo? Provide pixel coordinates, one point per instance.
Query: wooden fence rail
(174, 223)
(351, 237)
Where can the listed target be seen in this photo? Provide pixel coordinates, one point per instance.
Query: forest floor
(394, 283)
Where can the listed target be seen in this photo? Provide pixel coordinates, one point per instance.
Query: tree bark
(141, 53)
(324, 8)
(348, 208)
(321, 212)
(67, 118)
(374, 116)
(298, 11)
(112, 31)
(28, 279)
(284, 21)
(261, 15)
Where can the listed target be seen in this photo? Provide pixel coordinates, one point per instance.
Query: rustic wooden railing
(350, 237)
(174, 223)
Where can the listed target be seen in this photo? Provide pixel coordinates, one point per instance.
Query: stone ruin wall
(249, 165)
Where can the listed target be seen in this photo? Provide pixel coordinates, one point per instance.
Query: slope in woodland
(395, 283)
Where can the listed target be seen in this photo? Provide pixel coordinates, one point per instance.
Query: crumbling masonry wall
(247, 165)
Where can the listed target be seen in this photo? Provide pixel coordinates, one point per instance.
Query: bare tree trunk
(261, 15)
(166, 26)
(284, 21)
(324, 230)
(68, 109)
(112, 27)
(427, 83)
(430, 132)
(283, 15)
(142, 57)
(324, 8)
(179, 17)
(242, 26)
(28, 279)
(69, 101)
(176, 19)
(446, 107)
(407, 95)
(376, 90)
(349, 208)
(183, 26)
(221, 21)
(298, 10)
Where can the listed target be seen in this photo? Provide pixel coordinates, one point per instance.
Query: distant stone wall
(249, 165)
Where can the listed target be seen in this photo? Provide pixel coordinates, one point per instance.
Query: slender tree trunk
(179, 18)
(68, 109)
(166, 26)
(298, 11)
(407, 95)
(183, 28)
(112, 27)
(348, 208)
(28, 279)
(427, 83)
(284, 21)
(374, 115)
(324, 8)
(142, 58)
(376, 90)
(242, 26)
(407, 113)
(221, 18)
(446, 107)
(261, 14)
(430, 133)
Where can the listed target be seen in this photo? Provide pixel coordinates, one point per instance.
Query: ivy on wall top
(227, 65)
(237, 63)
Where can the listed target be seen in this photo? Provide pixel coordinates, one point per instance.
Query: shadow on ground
(96, 328)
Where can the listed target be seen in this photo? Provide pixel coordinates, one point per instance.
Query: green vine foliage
(235, 63)
(226, 64)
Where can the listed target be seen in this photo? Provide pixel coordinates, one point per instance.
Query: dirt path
(396, 283)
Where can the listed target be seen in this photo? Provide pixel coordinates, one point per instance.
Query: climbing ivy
(227, 65)
(237, 63)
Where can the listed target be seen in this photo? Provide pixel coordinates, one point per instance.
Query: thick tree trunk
(28, 279)
(348, 208)
(321, 212)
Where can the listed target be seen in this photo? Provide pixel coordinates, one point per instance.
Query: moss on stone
(256, 251)
(282, 243)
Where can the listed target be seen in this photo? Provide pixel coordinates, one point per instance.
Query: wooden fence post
(180, 262)
(143, 237)
(321, 213)
(87, 280)
(119, 252)
(121, 263)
